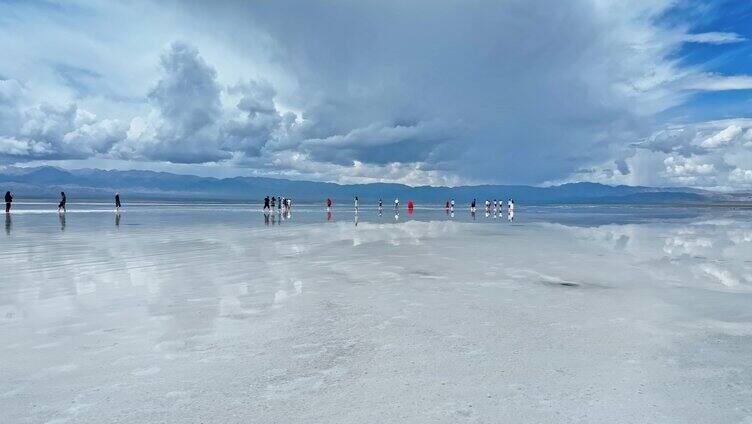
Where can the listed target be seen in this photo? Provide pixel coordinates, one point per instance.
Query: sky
(419, 92)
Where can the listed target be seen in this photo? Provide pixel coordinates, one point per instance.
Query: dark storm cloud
(257, 120)
(533, 82)
(380, 144)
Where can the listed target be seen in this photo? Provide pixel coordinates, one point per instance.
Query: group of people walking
(495, 207)
(490, 206)
(282, 204)
(60, 206)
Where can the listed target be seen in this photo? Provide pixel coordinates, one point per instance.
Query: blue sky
(642, 92)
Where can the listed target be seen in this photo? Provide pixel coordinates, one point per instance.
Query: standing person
(451, 207)
(279, 203)
(289, 204)
(273, 199)
(510, 209)
(446, 205)
(61, 205)
(396, 204)
(8, 201)
(117, 202)
(266, 203)
(356, 203)
(328, 204)
(472, 206)
(488, 206)
(381, 205)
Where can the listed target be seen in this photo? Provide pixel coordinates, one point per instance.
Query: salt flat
(212, 314)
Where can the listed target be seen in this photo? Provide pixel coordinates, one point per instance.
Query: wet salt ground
(205, 314)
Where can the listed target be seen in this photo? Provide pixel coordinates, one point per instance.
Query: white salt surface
(207, 315)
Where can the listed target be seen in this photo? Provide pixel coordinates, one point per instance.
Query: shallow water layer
(219, 313)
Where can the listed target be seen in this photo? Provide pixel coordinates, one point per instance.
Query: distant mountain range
(47, 182)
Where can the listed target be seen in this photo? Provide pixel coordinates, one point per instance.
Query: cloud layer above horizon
(419, 92)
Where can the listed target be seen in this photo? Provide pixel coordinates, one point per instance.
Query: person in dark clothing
(61, 205)
(273, 200)
(266, 203)
(117, 202)
(8, 201)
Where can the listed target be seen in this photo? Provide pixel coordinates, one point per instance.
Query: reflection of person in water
(266, 219)
(61, 205)
(7, 223)
(117, 202)
(328, 215)
(8, 201)
(62, 221)
(117, 219)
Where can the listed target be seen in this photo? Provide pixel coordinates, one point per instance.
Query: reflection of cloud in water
(679, 245)
(724, 276)
(699, 254)
(301, 315)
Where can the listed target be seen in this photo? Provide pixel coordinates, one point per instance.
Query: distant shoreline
(364, 204)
